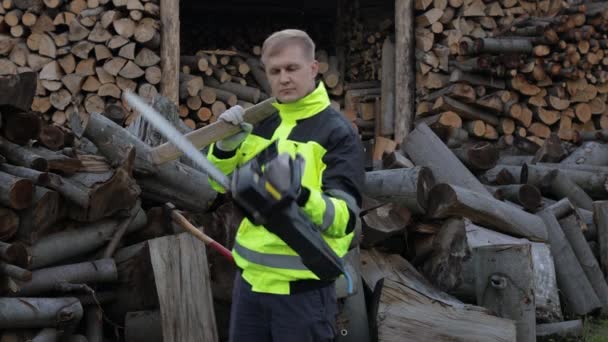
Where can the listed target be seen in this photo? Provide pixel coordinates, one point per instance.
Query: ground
(596, 331)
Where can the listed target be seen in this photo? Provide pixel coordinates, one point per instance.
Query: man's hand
(234, 116)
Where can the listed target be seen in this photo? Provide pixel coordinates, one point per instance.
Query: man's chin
(288, 98)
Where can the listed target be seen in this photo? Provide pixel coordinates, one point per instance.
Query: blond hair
(280, 39)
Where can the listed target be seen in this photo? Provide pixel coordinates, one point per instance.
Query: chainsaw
(266, 189)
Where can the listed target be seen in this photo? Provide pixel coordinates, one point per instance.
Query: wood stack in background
(74, 234)
(86, 53)
(512, 69)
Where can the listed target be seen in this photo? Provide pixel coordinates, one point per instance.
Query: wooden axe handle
(211, 133)
(182, 221)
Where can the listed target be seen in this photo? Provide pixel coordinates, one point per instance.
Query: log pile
(74, 234)
(86, 53)
(489, 224)
(213, 80)
(506, 69)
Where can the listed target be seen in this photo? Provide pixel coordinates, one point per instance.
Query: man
(275, 297)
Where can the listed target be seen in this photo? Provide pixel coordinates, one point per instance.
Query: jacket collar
(305, 107)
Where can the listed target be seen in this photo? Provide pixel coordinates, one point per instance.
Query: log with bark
(39, 312)
(578, 294)
(425, 149)
(51, 279)
(447, 200)
(408, 187)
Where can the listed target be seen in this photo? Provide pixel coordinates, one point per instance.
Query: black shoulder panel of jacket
(266, 127)
(344, 157)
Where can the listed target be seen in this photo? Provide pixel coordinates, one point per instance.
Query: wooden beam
(211, 133)
(169, 49)
(404, 68)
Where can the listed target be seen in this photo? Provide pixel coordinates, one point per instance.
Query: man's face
(291, 74)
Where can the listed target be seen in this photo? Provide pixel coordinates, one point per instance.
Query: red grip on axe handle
(222, 250)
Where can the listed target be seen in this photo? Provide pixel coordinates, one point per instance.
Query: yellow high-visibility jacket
(333, 175)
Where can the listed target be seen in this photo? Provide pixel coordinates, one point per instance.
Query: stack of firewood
(212, 81)
(86, 52)
(512, 68)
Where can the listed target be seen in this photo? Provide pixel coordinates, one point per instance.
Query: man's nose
(284, 77)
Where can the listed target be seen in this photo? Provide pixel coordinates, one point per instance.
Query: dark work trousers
(305, 316)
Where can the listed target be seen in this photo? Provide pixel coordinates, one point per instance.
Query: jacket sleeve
(335, 209)
(225, 161)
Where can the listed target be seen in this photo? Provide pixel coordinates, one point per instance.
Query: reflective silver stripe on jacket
(329, 214)
(351, 203)
(293, 262)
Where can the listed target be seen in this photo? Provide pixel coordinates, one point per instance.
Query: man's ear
(314, 68)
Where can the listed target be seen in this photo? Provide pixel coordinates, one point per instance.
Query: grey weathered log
(15, 192)
(600, 217)
(245, 93)
(593, 183)
(449, 251)
(57, 161)
(515, 160)
(599, 135)
(426, 149)
(564, 207)
(156, 191)
(407, 302)
(466, 111)
(505, 284)
(545, 283)
(571, 228)
(112, 141)
(560, 186)
(93, 317)
(63, 245)
(18, 90)
(382, 222)
(479, 156)
(407, 186)
(590, 153)
(447, 200)
(526, 195)
(578, 167)
(143, 326)
(46, 335)
(136, 288)
(552, 151)
(502, 174)
(259, 75)
(21, 156)
(15, 272)
(63, 186)
(577, 292)
(47, 279)
(143, 130)
(45, 211)
(15, 253)
(122, 229)
(555, 331)
(39, 312)
(499, 46)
